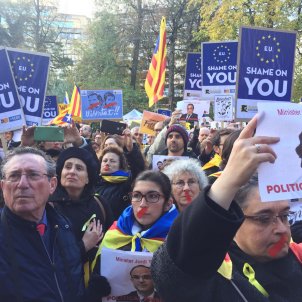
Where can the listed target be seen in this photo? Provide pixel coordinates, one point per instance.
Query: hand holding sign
(243, 162)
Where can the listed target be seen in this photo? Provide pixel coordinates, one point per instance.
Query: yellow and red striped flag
(73, 112)
(155, 80)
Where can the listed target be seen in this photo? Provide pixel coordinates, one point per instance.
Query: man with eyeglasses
(190, 116)
(142, 281)
(228, 245)
(39, 256)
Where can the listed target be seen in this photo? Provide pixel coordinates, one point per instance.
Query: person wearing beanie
(176, 142)
(90, 216)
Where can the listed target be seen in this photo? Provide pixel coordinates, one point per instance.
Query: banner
(193, 80)
(219, 65)
(30, 70)
(11, 112)
(101, 104)
(50, 110)
(265, 68)
(281, 180)
(149, 120)
(223, 108)
(129, 276)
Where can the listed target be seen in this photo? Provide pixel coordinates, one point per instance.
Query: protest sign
(223, 108)
(193, 80)
(201, 108)
(283, 179)
(219, 65)
(30, 70)
(101, 104)
(159, 162)
(124, 271)
(149, 120)
(166, 112)
(11, 112)
(50, 110)
(265, 68)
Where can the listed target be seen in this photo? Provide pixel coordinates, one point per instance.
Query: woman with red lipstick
(144, 225)
(119, 167)
(187, 180)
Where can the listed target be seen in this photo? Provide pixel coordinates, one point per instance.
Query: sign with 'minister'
(265, 68)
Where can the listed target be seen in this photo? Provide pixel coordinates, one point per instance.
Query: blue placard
(50, 110)
(101, 104)
(219, 69)
(193, 80)
(219, 61)
(31, 72)
(166, 112)
(11, 113)
(266, 64)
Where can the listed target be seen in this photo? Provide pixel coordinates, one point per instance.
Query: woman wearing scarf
(118, 169)
(144, 225)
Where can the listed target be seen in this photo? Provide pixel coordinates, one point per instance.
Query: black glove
(98, 287)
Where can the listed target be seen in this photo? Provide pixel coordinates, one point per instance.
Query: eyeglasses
(180, 184)
(30, 176)
(143, 277)
(266, 220)
(151, 197)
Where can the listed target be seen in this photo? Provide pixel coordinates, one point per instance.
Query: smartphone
(49, 134)
(113, 127)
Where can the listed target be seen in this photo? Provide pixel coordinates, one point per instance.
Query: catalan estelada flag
(155, 80)
(72, 112)
(74, 109)
(58, 120)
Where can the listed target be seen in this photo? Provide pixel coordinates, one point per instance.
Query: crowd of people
(200, 215)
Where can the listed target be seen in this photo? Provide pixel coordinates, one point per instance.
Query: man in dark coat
(39, 255)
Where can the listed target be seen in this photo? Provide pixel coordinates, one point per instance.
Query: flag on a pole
(155, 80)
(74, 108)
(66, 99)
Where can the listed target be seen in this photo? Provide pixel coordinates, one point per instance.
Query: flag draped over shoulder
(155, 80)
(72, 112)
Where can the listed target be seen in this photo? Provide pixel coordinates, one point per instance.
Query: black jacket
(185, 267)
(79, 212)
(24, 260)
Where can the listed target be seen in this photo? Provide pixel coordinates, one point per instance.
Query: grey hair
(242, 194)
(177, 167)
(50, 163)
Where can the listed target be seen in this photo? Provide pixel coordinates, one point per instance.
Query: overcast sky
(77, 7)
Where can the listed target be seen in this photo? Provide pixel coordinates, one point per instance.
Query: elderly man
(199, 135)
(39, 256)
(220, 250)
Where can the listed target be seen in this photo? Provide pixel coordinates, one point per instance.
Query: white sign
(159, 162)
(223, 108)
(283, 179)
(126, 271)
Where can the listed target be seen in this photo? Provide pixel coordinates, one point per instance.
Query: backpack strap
(101, 207)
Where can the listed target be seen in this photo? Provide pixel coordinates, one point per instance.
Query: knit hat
(181, 130)
(85, 156)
